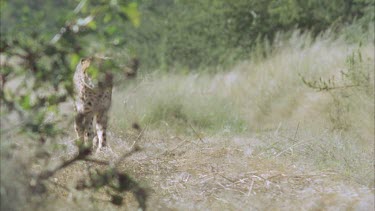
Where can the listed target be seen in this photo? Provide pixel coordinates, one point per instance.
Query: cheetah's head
(85, 63)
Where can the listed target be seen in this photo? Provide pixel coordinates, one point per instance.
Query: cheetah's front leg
(101, 129)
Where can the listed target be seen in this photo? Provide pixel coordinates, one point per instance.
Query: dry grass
(236, 173)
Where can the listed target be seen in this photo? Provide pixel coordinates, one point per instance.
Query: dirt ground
(213, 173)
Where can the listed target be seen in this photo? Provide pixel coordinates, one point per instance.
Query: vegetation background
(242, 105)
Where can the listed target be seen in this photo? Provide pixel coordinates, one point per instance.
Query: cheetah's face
(85, 63)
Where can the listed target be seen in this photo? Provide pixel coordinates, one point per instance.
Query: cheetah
(91, 101)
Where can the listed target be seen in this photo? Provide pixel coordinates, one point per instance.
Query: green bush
(210, 33)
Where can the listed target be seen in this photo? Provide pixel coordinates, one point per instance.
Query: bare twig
(170, 150)
(128, 154)
(195, 132)
(290, 147)
(250, 188)
(338, 87)
(133, 148)
(49, 173)
(139, 137)
(278, 128)
(100, 162)
(80, 156)
(230, 180)
(295, 134)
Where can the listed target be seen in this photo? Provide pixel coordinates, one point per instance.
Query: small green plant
(357, 74)
(355, 80)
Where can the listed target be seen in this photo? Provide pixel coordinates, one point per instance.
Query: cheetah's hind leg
(95, 142)
(78, 126)
(89, 132)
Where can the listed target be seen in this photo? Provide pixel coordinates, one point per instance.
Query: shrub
(210, 33)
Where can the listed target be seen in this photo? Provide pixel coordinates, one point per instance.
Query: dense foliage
(46, 45)
(209, 33)
(183, 33)
(40, 45)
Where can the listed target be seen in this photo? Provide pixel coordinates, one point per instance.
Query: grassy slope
(265, 135)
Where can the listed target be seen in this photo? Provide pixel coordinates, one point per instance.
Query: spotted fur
(91, 102)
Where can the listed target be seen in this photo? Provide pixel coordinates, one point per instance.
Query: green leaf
(111, 30)
(74, 59)
(93, 72)
(25, 102)
(131, 11)
(53, 108)
(92, 25)
(107, 18)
